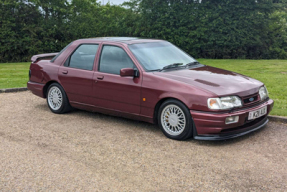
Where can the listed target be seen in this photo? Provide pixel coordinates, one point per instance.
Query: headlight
(263, 93)
(224, 102)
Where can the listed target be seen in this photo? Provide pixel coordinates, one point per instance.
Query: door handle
(65, 72)
(101, 77)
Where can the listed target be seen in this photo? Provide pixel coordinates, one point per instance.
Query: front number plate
(258, 113)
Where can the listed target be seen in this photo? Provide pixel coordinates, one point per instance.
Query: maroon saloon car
(153, 81)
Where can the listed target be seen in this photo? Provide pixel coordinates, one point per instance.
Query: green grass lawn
(271, 72)
(14, 75)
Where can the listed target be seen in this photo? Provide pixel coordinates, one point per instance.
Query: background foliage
(253, 29)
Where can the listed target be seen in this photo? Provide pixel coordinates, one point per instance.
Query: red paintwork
(127, 72)
(123, 96)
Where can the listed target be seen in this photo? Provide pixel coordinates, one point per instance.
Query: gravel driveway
(83, 151)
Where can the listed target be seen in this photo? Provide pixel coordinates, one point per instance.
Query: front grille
(251, 100)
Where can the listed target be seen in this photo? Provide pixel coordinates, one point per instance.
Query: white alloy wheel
(55, 98)
(173, 120)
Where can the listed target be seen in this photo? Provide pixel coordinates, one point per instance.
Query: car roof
(126, 40)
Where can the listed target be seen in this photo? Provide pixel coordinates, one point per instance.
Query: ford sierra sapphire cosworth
(153, 81)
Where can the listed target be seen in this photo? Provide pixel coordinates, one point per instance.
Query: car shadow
(109, 118)
(148, 126)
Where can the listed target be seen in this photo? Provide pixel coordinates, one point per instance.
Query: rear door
(111, 91)
(76, 75)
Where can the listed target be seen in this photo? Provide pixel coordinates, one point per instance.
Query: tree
(18, 34)
(211, 28)
(204, 28)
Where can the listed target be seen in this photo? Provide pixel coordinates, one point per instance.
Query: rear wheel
(57, 99)
(175, 120)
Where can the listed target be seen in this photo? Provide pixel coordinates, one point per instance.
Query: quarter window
(60, 53)
(83, 57)
(113, 59)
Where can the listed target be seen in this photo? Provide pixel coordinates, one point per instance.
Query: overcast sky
(115, 2)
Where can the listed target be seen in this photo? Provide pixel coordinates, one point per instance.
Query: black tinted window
(84, 56)
(113, 59)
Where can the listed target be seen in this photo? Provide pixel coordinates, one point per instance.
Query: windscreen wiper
(192, 63)
(174, 65)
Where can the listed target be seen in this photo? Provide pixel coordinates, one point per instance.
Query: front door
(76, 75)
(111, 91)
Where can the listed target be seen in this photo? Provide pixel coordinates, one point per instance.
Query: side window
(83, 57)
(60, 53)
(113, 59)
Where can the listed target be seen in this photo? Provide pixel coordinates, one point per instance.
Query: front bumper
(211, 126)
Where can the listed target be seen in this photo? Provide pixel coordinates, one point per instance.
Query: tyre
(57, 99)
(175, 120)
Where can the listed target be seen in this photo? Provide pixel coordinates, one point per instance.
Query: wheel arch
(47, 85)
(159, 103)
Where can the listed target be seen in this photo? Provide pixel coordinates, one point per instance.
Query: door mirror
(127, 72)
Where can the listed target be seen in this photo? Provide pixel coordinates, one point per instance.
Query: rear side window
(113, 59)
(60, 53)
(83, 57)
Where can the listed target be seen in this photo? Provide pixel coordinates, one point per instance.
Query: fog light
(232, 119)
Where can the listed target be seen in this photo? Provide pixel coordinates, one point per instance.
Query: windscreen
(156, 55)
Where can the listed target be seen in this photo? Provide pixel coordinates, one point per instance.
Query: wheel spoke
(55, 98)
(173, 119)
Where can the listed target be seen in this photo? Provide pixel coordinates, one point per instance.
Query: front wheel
(57, 99)
(175, 120)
